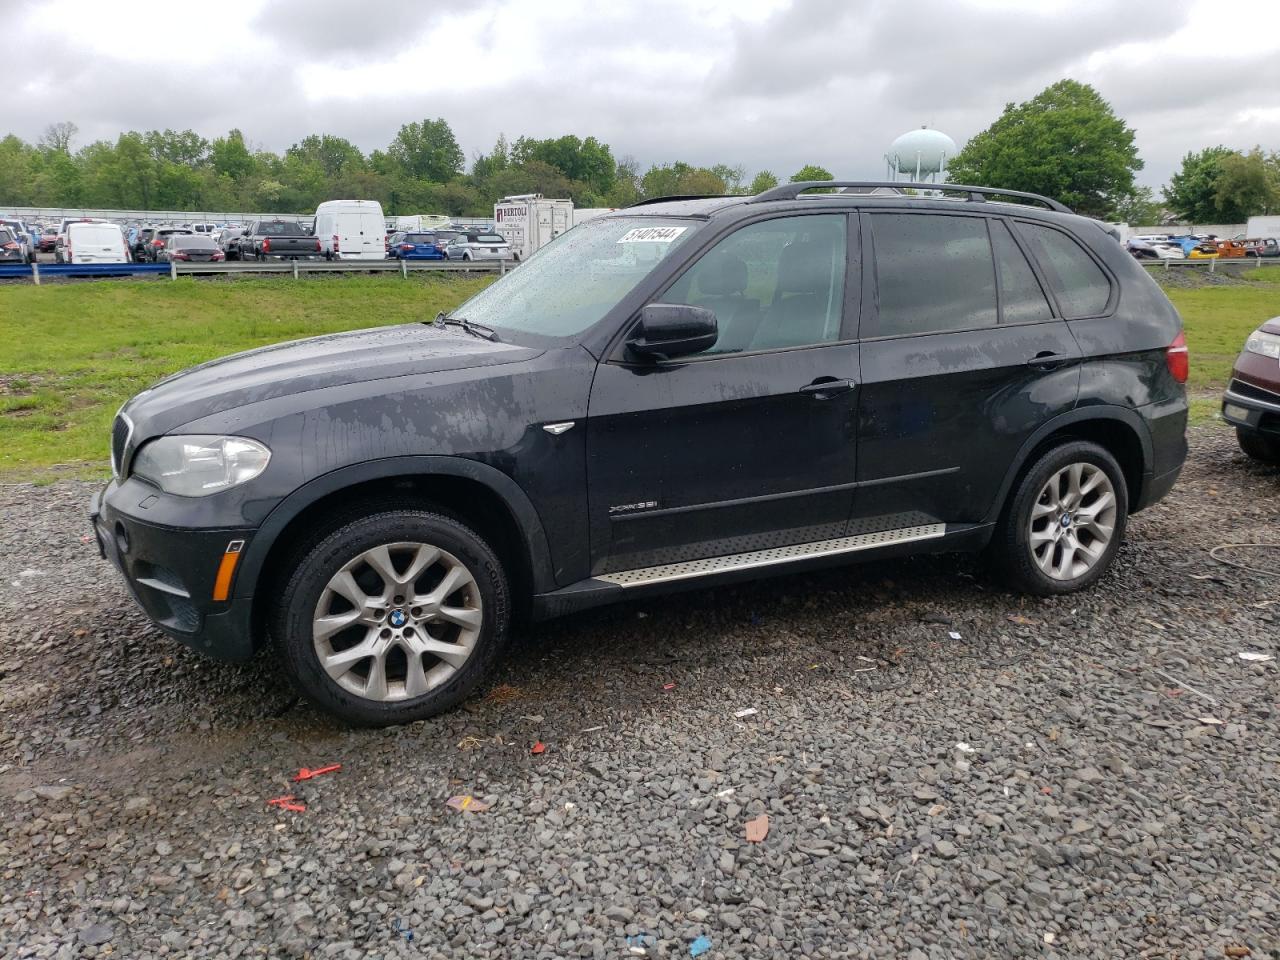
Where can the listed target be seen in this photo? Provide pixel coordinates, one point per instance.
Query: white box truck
(1263, 227)
(529, 221)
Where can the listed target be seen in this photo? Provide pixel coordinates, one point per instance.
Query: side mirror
(246, 231)
(668, 330)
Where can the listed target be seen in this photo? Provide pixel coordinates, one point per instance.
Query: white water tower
(921, 156)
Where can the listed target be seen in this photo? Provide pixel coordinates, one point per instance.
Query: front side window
(773, 284)
(577, 278)
(934, 273)
(1081, 287)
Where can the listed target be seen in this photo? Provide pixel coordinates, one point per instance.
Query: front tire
(1063, 525)
(1258, 447)
(393, 617)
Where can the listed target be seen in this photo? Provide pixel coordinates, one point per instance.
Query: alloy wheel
(397, 621)
(1072, 521)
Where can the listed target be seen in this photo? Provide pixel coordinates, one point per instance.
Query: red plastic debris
(538, 747)
(668, 686)
(757, 829)
(289, 802)
(307, 774)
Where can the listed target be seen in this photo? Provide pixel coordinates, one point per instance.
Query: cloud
(770, 84)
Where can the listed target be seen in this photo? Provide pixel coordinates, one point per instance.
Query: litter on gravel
(757, 829)
(1254, 657)
(745, 712)
(467, 804)
(700, 946)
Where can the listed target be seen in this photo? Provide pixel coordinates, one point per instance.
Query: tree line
(422, 170)
(1066, 142)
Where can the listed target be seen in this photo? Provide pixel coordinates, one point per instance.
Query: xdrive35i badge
(633, 507)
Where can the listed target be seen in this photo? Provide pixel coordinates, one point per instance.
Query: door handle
(824, 388)
(1048, 360)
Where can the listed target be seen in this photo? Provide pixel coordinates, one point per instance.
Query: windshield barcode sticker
(652, 234)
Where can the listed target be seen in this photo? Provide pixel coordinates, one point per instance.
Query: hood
(1272, 325)
(299, 366)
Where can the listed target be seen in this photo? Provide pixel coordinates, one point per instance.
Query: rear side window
(933, 273)
(1021, 299)
(1081, 287)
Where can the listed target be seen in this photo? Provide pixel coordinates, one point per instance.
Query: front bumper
(1249, 407)
(171, 573)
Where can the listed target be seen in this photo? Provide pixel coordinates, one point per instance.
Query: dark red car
(48, 239)
(1252, 400)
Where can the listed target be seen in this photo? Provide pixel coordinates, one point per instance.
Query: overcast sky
(770, 84)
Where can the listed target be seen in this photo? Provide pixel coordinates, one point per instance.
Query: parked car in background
(141, 241)
(1252, 400)
(1208, 250)
(415, 246)
(205, 229)
(1262, 247)
(160, 239)
(478, 246)
(1230, 249)
(24, 236)
(11, 250)
(192, 248)
(1144, 248)
(351, 230)
(279, 239)
(48, 239)
(929, 375)
(228, 241)
(94, 243)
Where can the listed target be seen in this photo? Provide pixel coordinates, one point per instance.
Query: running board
(775, 555)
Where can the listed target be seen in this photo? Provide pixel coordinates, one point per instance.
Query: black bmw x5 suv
(678, 394)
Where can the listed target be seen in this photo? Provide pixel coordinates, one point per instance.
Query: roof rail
(790, 191)
(676, 198)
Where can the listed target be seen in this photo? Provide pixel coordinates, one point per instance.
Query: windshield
(572, 282)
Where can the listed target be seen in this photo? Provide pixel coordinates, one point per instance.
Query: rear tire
(1063, 525)
(1258, 447)
(451, 633)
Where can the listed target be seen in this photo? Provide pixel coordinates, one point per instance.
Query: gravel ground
(1094, 776)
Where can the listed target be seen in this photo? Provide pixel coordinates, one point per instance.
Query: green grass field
(71, 354)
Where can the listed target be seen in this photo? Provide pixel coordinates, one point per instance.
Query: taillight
(217, 256)
(406, 246)
(157, 244)
(266, 244)
(1178, 359)
(336, 248)
(317, 246)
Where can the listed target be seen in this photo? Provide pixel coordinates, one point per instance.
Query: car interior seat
(721, 288)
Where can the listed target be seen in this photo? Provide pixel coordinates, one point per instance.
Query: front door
(750, 445)
(963, 358)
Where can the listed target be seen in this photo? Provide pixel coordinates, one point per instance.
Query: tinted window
(1079, 284)
(491, 238)
(933, 273)
(418, 238)
(777, 283)
(194, 242)
(1021, 299)
(279, 229)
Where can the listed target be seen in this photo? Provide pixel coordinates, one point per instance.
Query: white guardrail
(38, 273)
(1215, 263)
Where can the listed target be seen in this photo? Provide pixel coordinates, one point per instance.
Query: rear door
(963, 358)
(96, 243)
(373, 236)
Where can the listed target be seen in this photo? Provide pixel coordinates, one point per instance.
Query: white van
(94, 243)
(351, 230)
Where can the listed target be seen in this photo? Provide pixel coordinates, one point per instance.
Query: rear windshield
(491, 238)
(279, 228)
(194, 242)
(94, 233)
(419, 238)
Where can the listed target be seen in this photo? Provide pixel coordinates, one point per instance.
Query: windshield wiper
(475, 329)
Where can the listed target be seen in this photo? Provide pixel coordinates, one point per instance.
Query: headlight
(1266, 344)
(199, 466)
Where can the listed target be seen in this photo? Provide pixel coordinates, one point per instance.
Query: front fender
(526, 516)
